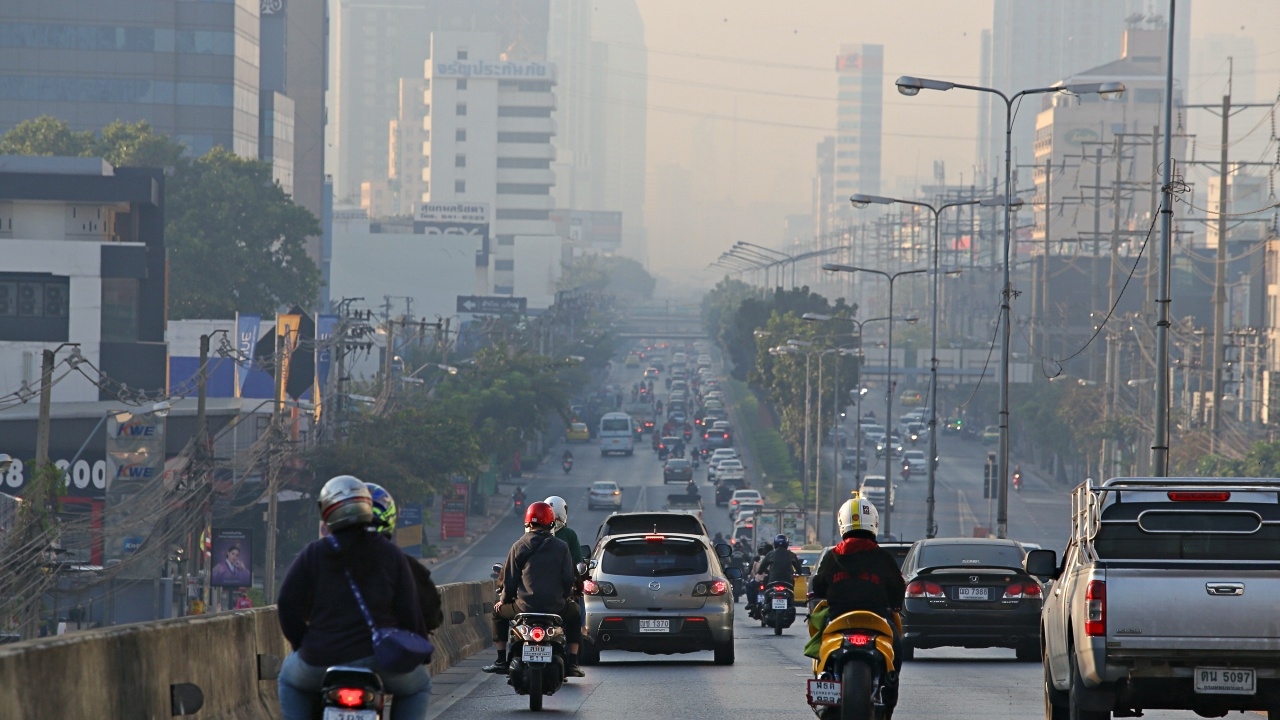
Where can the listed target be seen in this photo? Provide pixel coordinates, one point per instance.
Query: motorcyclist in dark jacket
(538, 577)
(780, 565)
(857, 574)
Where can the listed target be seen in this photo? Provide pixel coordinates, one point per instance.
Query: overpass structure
(665, 320)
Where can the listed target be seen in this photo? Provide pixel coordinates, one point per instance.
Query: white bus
(615, 434)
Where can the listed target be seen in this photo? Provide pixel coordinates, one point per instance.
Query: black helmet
(780, 541)
(764, 548)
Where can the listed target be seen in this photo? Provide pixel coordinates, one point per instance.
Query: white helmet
(858, 514)
(561, 509)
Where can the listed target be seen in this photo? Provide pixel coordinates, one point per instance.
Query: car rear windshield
(653, 522)
(1201, 531)
(652, 559)
(604, 486)
(615, 425)
(977, 554)
(677, 464)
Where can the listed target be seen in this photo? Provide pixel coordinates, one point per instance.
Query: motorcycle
(1017, 481)
(755, 589)
(536, 649)
(517, 507)
(567, 465)
(696, 459)
(351, 693)
(779, 607)
(853, 667)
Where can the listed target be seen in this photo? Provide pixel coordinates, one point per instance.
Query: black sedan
(677, 470)
(970, 592)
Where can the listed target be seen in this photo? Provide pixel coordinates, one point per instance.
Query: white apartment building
(485, 136)
(859, 118)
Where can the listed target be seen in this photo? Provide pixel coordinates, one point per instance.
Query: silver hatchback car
(658, 594)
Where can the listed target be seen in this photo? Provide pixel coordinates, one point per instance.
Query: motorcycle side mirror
(724, 550)
(581, 568)
(733, 573)
(586, 551)
(592, 565)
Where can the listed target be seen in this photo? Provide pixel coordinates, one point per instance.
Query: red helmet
(539, 514)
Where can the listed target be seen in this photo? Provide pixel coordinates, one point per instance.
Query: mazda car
(659, 594)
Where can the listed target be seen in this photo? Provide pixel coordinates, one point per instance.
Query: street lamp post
(792, 348)
(911, 86)
(888, 376)
(862, 201)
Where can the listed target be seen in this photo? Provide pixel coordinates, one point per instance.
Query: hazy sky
(771, 65)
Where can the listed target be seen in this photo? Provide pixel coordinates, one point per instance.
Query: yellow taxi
(577, 432)
(633, 360)
(809, 555)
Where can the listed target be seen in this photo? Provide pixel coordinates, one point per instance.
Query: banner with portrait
(232, 558)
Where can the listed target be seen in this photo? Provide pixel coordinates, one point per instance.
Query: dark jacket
(858, 575)
(781, 565)
(429, 603)
(318, 613)
(538, 574)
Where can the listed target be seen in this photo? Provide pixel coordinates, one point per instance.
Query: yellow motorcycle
(852, 662)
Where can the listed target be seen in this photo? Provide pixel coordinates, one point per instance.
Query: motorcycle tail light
(348, 697)
(780, 588)
(537, 634)
(858, 640)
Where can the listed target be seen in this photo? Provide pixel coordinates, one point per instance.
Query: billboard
(464, 219)
(498, 70)
(232, 557)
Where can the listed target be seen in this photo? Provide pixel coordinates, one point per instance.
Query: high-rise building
(859, 113)
(485, 140)
(375, 43)
(601, 91)
(824, 195)
(190, 69)
(1035, 44)
(294, 65)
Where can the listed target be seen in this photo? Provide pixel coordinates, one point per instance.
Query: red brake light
(1031, 590)
(925, 589)
(589, 587)
(350, 697)
(1020, 590)
(719, 587)
(537, 634)
(655, 538)
(779, 588)
(858, 640)
(1199, 496)
(706, 436)
(1095, 625)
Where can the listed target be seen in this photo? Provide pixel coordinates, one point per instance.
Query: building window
(462, 83)
(119, 310)
(506, 240)
(528, 112)
(460, 135)
(426, 161)
(460, 186)
(504, 290)
(504, 265)
(462, 109)
(524, 137)
(524, 163)
(462, 54)
(34, 307)
(523, 189)
(459, 160)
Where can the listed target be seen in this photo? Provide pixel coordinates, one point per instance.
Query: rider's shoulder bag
(396, 650)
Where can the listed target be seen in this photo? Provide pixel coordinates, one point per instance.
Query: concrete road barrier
(213, 667)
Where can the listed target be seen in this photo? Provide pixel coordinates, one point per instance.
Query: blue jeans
(300, 683)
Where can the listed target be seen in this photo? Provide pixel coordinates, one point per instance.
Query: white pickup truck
(1168, 597)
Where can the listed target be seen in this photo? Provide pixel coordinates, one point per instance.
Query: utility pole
(202, 440)
(273, 472)
(1220, 280)
(46, 399)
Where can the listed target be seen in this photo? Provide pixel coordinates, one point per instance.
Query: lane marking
(964, 510)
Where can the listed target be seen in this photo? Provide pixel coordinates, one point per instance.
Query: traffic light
(986, 480)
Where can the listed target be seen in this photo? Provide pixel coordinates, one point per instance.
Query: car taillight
(924, 589)
(590, 587)
(715, 587)
(537, 634)
(1017, 591)
(348, 697)
(706, 436)
(1095, 624)
(858, 640)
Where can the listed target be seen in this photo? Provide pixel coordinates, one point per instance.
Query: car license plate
(824, 692)
(1225, 681)
(779, 603)
(333, 713)
(971, 593)
(655, 626)
(536, 653)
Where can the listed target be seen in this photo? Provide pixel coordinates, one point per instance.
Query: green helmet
(384, 510)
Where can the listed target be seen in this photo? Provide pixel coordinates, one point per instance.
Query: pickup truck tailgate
(1192, 606)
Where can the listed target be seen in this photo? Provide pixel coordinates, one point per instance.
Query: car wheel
(1027, 651)
(1075, 698)
(589, 653)
(906, 651)
(723, 653)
